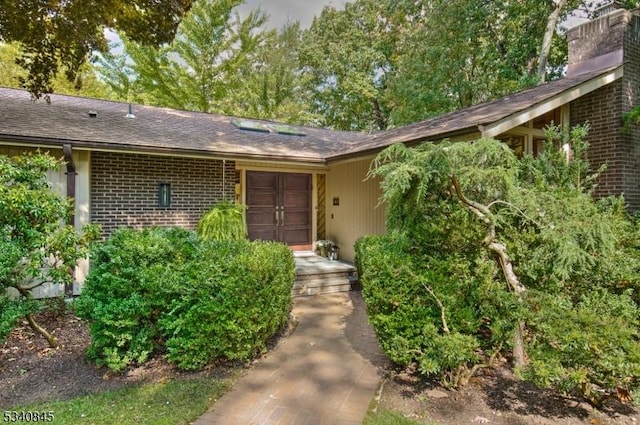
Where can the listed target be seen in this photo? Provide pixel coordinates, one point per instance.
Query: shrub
(566, 294)
(11, 311)
(165, 290)
(224, 221)
(241, 297)
(430, 309)
(590, 347)
(125, 292)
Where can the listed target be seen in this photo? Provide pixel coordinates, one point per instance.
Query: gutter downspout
(71, 193)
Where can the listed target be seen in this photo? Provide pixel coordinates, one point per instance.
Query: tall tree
(85, 82)
(273, 86)
(348, 56)
(56, 33)
(198, 69)
(461, 52)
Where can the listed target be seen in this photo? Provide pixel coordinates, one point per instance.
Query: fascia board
(526, 115)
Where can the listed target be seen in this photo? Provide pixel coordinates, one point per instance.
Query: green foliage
(224, 221)
(85, 82)
(239, 301)
(198, 70)
(347, 58)
(380, 64)
(124, 293)
(575, 260)
(436, 308)
(36, 247)
(57, 34)
(272, 85)
(10, 313)
(172, 402)
(165, 290)
(585, 346)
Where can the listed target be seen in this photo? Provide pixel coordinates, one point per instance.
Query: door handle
(282, 216)
(277, 217)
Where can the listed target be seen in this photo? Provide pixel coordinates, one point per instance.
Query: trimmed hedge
(164, 290)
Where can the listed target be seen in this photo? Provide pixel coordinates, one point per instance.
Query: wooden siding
(321, 184)
(358, 213)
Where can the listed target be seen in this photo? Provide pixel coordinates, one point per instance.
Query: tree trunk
(552, 21)
(519, 353)
(483, 212)
(52, 340)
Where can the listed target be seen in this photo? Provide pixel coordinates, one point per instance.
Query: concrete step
(307, 287)
(317, 275)
(313, 275)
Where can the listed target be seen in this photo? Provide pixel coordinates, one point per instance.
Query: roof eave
(521, 117)
(408, 142)
(43, 142)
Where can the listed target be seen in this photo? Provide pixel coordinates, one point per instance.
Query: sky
(282, 11)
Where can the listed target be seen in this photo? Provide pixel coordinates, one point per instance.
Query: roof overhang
(519, 118)
(46, 143)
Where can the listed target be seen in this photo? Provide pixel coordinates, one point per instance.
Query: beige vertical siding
(358, 213)
(82, 161)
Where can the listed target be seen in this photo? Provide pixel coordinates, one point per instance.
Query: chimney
(610, 43)
(607, 8)
(599, 43)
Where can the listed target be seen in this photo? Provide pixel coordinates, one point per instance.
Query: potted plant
(323, 247)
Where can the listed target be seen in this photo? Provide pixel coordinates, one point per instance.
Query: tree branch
(443, 316)
(518, 210)
(484, 213)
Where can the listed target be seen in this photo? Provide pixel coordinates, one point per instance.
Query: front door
(279, 207)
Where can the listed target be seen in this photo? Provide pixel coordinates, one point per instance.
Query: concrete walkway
(326, 372)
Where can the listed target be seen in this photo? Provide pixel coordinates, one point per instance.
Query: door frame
(242, 190)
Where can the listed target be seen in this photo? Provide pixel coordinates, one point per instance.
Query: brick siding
(124, 189)
(604, 108)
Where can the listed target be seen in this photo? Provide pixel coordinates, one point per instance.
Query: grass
(388, 417)
(169, 403)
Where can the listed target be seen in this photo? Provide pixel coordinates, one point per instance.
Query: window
(164, 195)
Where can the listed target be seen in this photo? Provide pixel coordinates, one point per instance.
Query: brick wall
(610, 143)
(597, 37)
(124, 189)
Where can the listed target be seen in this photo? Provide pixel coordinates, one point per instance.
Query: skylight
(250, 125)
(286, 129)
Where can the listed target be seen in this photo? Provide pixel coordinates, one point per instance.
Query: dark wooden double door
(279, 207)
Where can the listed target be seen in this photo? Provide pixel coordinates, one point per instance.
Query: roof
(164, 130)
(67, 120)
(510, 110)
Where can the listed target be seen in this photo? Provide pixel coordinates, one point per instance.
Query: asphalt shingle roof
(67, 120)
(154, 129)
(469, 119)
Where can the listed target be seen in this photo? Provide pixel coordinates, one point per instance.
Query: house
(131, 165)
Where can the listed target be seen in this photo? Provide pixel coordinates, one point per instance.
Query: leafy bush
(125, 292)
(36, 247)
(510, 255)
(165, 290)
(224, 221)
(432, 309)
(11, 311)
(241, 298)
